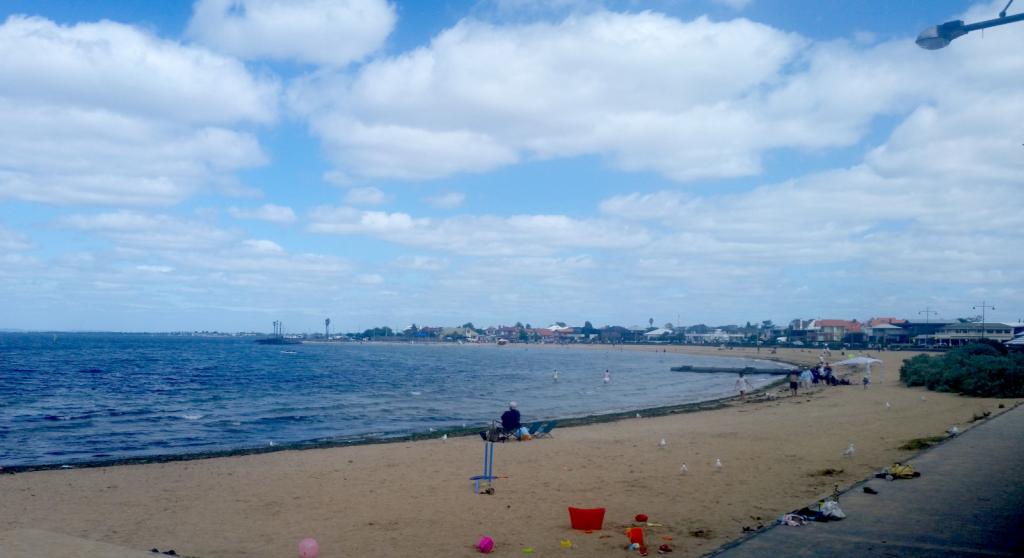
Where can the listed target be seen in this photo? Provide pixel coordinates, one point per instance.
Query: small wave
(192, 416)
(56, 417)
(414, 393)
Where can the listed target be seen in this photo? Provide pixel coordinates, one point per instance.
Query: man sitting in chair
(510, 421)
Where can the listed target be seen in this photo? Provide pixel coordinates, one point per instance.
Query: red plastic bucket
(586, 519)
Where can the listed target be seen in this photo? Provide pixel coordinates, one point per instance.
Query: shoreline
(415, 498)
(340, 442)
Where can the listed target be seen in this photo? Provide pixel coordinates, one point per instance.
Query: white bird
(888, 405)
(718, 464)
(684, 469)
(444, 438)
(953, 431)
(432, 429)
(662, 444)
(848, 452)
(272, 444)
(638, 415)
(923, 398)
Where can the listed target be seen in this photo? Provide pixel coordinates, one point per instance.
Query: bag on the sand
(901, 471)
(831, 510)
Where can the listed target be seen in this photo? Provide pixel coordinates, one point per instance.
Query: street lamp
(938, 36)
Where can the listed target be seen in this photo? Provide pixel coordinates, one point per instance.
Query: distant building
(835, 331)
(659, 334)
(957, 334)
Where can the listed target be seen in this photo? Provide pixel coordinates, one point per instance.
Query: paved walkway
(969, 501)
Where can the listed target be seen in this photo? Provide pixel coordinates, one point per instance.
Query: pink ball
(486, 545)
(308, 548)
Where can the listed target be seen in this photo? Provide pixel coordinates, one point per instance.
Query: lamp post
(939, 36)
(983, 306)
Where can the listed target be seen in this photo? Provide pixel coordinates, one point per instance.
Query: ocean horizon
(77, 398)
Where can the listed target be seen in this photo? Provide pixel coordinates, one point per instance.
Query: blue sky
(227, 163)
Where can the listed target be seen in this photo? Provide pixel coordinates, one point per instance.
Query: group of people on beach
(820, 374)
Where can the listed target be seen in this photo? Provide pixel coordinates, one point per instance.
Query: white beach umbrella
(866, 362)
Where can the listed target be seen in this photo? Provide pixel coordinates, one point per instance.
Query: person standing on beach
(743, 386)
(555, 376)
(794, 382)
(806, 377)
(866, 380)
(607, 377)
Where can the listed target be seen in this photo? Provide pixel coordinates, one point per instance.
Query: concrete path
(968, 501)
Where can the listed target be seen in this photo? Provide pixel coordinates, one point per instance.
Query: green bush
(978, 370)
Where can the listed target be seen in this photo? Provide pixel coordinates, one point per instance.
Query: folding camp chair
(544, 430)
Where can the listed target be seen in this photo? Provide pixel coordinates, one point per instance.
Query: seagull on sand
(888, 405)
(638, 415)
(684, 469)
(923, 398)
(444, 438)
(953, 431)
(848, 452)
(718, 465)
(662, 444)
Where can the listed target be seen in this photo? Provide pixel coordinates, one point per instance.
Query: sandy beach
(415, 499)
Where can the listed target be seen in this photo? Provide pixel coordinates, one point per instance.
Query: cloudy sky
(227, 163)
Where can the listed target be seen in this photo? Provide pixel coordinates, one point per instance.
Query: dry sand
(415, 499)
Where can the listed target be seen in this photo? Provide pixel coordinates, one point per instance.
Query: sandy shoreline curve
(414, 498)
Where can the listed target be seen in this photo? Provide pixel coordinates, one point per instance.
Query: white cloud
(646, 90)
(148, 233)
(267, 212)
(324, 32)
(448, 200)
(369, 279)
(367, 195)
(422, 263)
(263, 246)
(12, 241)
(734, 4)
(154, 268)
(79, 125)
(479, 235)
(118, 68)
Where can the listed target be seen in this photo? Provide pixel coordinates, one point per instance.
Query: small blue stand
(488, 468)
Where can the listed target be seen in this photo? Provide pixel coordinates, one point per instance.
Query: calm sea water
(85, 397)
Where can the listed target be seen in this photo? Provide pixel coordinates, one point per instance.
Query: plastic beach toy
(586, 519)
(636, 535)
(308, 548)
(486, 545)
(640, 518)
(565, 543)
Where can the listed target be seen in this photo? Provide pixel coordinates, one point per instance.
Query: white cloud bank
(647, 90)
(323, 32)
(267, 212)
(485, 235)
(105, 113)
